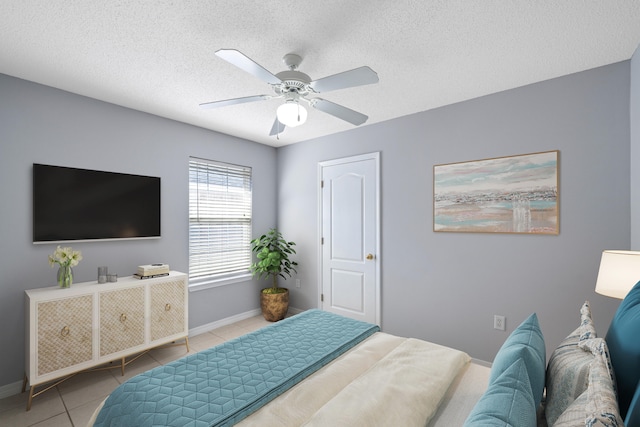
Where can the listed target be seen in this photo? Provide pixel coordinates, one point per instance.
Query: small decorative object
(65, 258)
(65, 276)
(112, 277)
(102, 274)
(273, 251)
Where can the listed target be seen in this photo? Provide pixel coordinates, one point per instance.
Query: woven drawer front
(121, 320)
(64, 333)
(167, 309)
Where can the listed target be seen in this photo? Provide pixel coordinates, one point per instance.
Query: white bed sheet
(384, 381)
(462, 396)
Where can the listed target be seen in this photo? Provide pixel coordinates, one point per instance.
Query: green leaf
(272, 255)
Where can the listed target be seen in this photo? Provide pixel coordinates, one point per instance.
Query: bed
(319, 369)
(304, 370)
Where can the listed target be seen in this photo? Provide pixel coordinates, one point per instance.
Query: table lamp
(619, 272)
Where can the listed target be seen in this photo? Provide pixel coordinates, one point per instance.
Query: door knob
(370, 256)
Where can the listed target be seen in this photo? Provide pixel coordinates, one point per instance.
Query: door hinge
(322, 184)
(321, 297)
(322, 240)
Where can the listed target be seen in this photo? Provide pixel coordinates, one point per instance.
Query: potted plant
(272, 253)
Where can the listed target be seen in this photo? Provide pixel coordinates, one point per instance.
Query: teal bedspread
(224, 384)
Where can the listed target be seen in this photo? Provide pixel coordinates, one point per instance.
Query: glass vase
(65, 276)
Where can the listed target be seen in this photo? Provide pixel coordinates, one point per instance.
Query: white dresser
(90, 324)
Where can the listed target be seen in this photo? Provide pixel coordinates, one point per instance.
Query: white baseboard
(223, 322)
(481, 362)
(10, 389)
(233, 319)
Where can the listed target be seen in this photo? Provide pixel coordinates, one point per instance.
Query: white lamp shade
(291, 114)
(619, 272)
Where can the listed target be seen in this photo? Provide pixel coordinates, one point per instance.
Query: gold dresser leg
(30, 397)
(186, 342)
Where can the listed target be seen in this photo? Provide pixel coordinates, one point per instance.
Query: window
(219, 222)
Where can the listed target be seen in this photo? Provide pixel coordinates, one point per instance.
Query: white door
(349, 231)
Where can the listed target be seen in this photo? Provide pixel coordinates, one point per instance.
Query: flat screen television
(71, 204)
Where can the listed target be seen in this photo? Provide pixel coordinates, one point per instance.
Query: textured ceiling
(158, 56)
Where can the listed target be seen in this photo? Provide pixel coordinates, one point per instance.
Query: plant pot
(274, 306)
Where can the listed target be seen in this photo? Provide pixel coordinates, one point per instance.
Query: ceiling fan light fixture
(291, 114)
(293, 86)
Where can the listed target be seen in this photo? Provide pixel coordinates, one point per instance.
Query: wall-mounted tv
(71, 204)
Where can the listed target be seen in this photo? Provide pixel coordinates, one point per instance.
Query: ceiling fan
(294, 86)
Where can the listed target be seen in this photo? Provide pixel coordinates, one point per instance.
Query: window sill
(208, 283)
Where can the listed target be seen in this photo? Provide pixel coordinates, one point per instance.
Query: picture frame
(515, 194)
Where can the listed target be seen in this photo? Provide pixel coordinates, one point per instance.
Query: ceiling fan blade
(344, 113)
(224, 103)
(245, 63)
(356, 77)
(277, 128)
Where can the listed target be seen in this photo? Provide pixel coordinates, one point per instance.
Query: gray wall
(446, 287)
(634, 114)
(39, 124)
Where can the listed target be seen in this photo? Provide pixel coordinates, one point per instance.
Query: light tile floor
(72, 403)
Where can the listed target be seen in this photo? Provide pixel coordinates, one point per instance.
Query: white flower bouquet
(65, 257)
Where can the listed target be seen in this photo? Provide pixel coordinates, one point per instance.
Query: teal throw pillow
(623, 340)
(526, 342)
(508, 401)
(633, 414)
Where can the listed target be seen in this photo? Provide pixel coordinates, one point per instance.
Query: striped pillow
(597, 405)
(568, 369)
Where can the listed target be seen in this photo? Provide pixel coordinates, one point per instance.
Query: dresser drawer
(64, 332)
(121, 320)
(167, 309)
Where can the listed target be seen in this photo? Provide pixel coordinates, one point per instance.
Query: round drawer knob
(65, 331)
(167, 307)
(123, 317)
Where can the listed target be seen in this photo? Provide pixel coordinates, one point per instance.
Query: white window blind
(219, 219)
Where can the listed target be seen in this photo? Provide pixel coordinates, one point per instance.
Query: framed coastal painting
(516, 194)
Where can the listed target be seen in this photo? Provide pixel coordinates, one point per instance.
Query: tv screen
(79, 204)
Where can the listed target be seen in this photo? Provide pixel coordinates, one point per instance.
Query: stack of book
(152, 270)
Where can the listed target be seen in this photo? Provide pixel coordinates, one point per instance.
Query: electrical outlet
(297, 283)
(499, 322)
